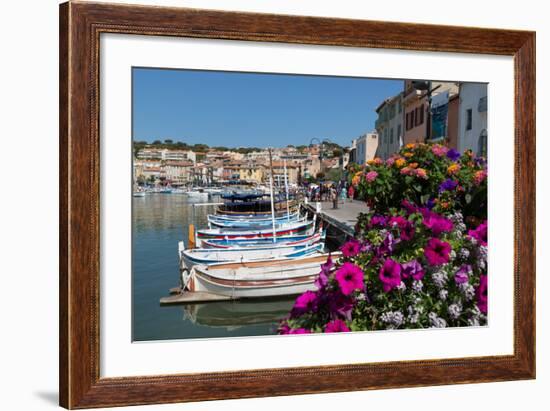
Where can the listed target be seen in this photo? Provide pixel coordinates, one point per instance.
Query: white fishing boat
(253, 224)
(285, 229)
(197, 193)
(207, 256)
(266, 242)
(139, 194)
(267, 278)
(222, 219)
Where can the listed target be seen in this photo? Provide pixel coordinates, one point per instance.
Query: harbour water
(159, 222)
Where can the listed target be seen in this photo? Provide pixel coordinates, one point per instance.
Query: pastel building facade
(472, 127)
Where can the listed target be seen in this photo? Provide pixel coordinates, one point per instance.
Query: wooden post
(191, 234)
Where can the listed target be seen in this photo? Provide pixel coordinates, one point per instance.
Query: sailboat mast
(286, 192)
(271, 192)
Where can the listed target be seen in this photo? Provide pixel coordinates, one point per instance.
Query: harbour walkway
(342, 218)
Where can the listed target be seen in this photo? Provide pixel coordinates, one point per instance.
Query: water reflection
(232, 315)
(159, 222)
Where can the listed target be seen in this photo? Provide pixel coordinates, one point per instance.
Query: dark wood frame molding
(81, 24)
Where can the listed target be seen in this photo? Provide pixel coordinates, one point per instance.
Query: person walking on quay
(334, 197)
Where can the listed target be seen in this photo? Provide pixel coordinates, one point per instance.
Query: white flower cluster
(454, 310)
(393, 319)
(417, 286)
(440, 279)
(467, 290)
(435, 321)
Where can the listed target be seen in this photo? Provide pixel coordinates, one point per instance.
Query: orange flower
(453, 169)
(410, 146)
(421, 173)
(400, 162)
(408, 154)
(413, 165)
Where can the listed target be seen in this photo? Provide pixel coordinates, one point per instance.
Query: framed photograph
(260, 205)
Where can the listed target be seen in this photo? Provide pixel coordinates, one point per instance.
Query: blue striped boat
(253, 224)
(207, 256)
(266, 242)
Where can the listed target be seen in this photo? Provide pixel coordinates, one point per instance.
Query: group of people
(328, 192)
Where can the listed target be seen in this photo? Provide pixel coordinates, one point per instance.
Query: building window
(469, 119)
(406, 121)
(391, 136)
(482, 144)
(421, 115)
(399, 105)
(412, 119)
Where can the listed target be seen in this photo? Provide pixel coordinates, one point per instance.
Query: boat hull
(206, 256)
(257, 279)
(265, 242)
(220, 234)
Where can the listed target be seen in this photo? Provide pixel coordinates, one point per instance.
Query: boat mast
(271, 194)
(286, 192)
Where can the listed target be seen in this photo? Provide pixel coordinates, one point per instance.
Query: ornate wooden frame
(80, 27)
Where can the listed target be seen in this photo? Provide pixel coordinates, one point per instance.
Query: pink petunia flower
(390, 274)
(412, 269)
(480, 233)
(481, 294)
(351, 248)
(336, 326)
(463, 273)
(350, 278)
(322, 280)
(407, 231)
(307, 302)
(437, 252)
(437, 223)
(340, 305)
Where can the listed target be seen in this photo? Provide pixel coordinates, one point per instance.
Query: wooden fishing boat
(253, 224)
(267, 278)
(266, 242)
(207, 256)
(245, 218)
(292, 228)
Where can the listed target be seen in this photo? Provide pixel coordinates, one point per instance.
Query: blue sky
(248, 109)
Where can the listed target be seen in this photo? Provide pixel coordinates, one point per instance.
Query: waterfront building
(366, 147)
(389, 126)
(178, 172)
(149, 154)
(179, 155)
(166, 154)
(311, 166)
(452, 121)
(251, 173)
(472, 123)
(292, 171)
(415, 106)
(353, 151)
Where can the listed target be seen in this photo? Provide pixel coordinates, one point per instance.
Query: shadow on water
(159, 222)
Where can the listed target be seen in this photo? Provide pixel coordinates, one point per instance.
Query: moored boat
(291, 228)
(208, 256)
(253, 224)
(266, 278)
(265, 242)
